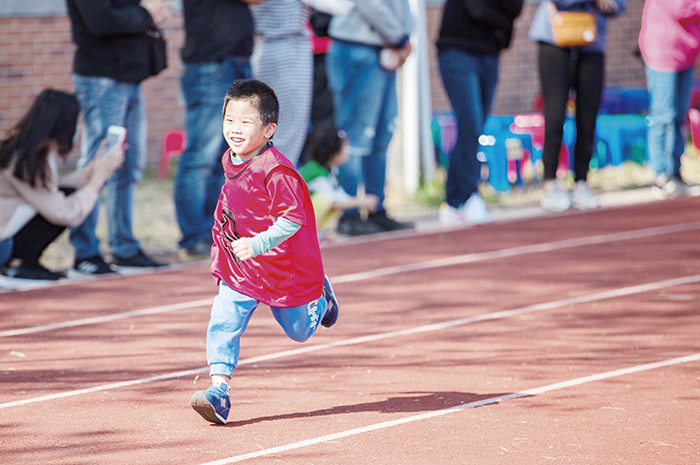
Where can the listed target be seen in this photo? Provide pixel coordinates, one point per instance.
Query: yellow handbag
(572, 28)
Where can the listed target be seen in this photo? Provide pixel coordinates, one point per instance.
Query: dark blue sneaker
(213, 404)
(331, 315)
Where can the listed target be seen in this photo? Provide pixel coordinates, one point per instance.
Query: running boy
(265, 245)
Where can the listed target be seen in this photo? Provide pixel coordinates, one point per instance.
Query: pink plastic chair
(173, 145)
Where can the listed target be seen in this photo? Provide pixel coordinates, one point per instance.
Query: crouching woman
(35, 205)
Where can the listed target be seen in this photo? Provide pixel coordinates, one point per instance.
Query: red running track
(567, 339)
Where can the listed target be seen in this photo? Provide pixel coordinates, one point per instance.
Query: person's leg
(359, 87)
(470, 96)
(199, 172)
(6, 246)
(374, 163)
(34, 237)
(555, 81)
(662, 113)
(120, 188)
(230, 314)
(238, 69)
(100, 107)
(588, 82)
(684, 86)
(301, 322)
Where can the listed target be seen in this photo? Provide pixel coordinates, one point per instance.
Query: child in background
(265, 246)
(328, 150)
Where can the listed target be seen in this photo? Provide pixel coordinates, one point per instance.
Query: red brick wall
(37, 52)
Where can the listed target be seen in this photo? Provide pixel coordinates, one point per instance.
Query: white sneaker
(693, 190)
(474, 210)
(555, 198)
(449, 215)
(666, 188)
(583, 198)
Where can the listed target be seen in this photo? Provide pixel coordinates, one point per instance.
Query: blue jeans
(364, 95)
(670, 97)
(200, 175)
(5, 251)
(470, 81)
(230, 314)
(103, 102)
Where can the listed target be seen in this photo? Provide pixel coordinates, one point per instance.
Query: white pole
(416, 109)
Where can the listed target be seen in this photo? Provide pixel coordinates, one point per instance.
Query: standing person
(364, 97)
(472, 35)
(35, 205)
(283, 60)
(218, 45)
(111, 60)
(669, 41)
(561, 69)
(265, 245)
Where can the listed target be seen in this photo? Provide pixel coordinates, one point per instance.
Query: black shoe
(34, 271)
(92, 266)
(356, 226)
(139, 259)
(386, 223)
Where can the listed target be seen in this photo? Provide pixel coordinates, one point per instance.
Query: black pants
(560, 71)
(31, 241)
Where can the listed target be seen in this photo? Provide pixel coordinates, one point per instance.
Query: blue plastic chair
(618, 133)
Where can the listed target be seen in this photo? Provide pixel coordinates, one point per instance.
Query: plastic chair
(173, 145)
(619, 133)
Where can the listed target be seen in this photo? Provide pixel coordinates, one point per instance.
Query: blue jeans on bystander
(470, 81)
(5, 251)
(105, 102)
(364, 95)
(670, 97)
(200, 175)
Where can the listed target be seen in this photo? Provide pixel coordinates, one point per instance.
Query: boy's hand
(242, 248)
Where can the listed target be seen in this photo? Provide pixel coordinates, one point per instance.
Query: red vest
(254, 195)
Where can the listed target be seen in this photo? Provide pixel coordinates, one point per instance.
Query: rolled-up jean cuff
(221, 369)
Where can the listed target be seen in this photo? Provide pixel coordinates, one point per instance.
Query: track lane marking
(391, 270)
(598, 296)
(458, 408)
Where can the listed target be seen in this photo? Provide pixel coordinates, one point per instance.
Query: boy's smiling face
(243, 129)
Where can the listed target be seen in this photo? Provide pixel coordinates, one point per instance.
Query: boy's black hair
(53, 117)
(259, 95)
(324, 142)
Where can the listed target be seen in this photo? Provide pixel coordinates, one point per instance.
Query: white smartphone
(115, 136)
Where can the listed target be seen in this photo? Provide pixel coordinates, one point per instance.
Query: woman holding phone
(35, 205)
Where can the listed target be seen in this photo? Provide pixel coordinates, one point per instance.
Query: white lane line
(523, 250)
(354, 277)
(620, 292)
(458, 408)
(107, 318)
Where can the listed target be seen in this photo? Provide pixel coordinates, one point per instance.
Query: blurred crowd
(333, 66)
